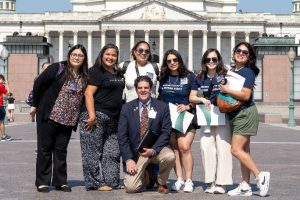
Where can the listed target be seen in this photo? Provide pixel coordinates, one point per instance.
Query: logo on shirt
(150, 75)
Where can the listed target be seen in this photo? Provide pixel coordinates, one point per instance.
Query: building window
(7, 5)
(1, 5)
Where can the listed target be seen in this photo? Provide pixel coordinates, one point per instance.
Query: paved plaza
(276, 148)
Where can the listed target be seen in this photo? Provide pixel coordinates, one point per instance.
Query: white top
(131, 75)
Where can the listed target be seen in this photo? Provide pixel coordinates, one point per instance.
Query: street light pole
(291, 56)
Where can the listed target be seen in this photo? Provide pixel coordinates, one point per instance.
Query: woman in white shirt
(140, 65)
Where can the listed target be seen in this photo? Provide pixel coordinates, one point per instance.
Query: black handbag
(194, 122)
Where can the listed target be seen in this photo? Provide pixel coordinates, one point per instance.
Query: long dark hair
(251, 63)
(135, 47)
(165, 71)
(220, 67)
(83, 70)
(98, 61)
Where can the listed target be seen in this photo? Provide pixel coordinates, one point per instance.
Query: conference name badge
(183, 81)
(152, 114)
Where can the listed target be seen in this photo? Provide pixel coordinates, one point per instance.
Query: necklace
(176, 82)
(210, 77)
(236, 70)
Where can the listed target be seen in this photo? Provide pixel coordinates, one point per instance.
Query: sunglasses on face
(146, 51)
(243, 52)
(174, 60)
(212, 59)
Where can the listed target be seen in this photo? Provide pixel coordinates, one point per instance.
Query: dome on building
(7, 6)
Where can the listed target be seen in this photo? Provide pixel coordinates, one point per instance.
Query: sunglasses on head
(244, 52)
(175, 60)
(140, 51)
(212, 59)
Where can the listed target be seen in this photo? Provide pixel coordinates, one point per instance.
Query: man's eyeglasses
(79, 56)
(146, 51)
(175, 60)
(244, 52)
(212, 59)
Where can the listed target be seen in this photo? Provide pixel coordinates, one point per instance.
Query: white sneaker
(188, 186)
(206, 129)
(263, 183)
(6, 138)
(210, 189)
(242, 190)
(178, 185)
(219, 190)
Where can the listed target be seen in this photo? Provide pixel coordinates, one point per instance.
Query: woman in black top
(99, 121)
(57, 100)
(11, 107)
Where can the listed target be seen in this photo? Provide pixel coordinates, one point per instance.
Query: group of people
(68, 95)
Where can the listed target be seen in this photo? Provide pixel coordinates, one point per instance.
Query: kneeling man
(136, 117)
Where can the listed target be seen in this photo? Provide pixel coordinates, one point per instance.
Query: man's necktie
(144, 121)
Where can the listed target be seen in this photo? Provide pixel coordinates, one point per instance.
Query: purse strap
(137, 70)
(211, 85)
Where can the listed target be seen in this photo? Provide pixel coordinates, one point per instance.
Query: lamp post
(291, 55)
(155, 57)
(4, 56)
(70, 44)
(153, 46)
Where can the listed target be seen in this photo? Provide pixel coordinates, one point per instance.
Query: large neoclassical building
(190, 26)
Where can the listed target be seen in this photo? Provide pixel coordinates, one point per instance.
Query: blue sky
(271, 6)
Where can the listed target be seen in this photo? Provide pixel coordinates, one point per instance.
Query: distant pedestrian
(3, 90)
(11, 107)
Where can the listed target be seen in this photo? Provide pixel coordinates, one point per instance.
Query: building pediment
(153, 10)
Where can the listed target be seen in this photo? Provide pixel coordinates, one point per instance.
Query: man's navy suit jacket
(129, 126)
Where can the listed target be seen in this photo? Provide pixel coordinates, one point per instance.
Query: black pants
(53, 140)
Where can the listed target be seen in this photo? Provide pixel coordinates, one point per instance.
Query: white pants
(216, 154)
